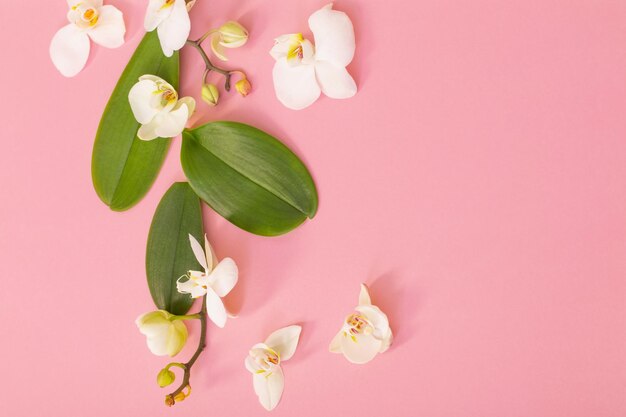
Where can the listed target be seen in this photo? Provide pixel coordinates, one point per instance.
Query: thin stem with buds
(208, 64)
(171, 399)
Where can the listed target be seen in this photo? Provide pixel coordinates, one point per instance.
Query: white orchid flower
(89, 19)
(365, 332)
(214, 282)
(171, 20)
(157, 107)
(302, 71)
(166, 333)
(264, 360)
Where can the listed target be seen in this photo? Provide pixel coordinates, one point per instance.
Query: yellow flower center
(87, 16)
(357, 323)
(168, 96)
(167, 3)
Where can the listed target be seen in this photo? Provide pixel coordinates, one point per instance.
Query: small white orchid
(214, 282)
(365, 332)
(70, 46)
(157, 107)
(264, 361)
(302, 71)
(166, 333)
(171, 20)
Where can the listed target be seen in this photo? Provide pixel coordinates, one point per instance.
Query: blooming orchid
(89, 19)
(264, 362)
(303, 70)
(155, 104)
(171, 20)
(364, 333)
(165, 333)
(214, 282)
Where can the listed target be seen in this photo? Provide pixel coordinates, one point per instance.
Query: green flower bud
(210, 94)
(165, 377)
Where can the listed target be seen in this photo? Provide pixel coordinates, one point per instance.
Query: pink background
(477, 181)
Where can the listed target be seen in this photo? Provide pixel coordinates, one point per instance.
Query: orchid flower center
(167, 3)
(165, 97)
(265, 359)
(356, 323)
(85, 16)
(296, 52)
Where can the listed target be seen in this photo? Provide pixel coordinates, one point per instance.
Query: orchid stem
(208, 64)
(170, 398)
(206, 35)
(187, 317)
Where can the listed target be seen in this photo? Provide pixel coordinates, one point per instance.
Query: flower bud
(232, 35)
(210, 94)
(165, 334)
(165, 377)
(179, 397)
(169, 400)
(243, 87)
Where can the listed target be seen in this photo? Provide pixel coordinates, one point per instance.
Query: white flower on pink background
(365, 333)
(303, 71)
(171, 20)
(216, 281)
(264, 362)
(157, 107)
(89, 19)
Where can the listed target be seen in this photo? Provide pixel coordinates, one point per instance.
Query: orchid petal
(295, 86)
(197, 251)
(387, 341)
(157, 12)
(334, 36)
(163, 336)
(218, 48)
(172, 123)
(269, 388)
(364, 296)
(335, 81)
(186, 101)
(110, 29)
(148, 131)
(69, 50)
(177, 337)
(140, 96)
(174, 31)
(215, 308)
(185, 287)
(224, 277)
(284, 341)
(285, 43)
(377, 318)
(211, 259)
(360, 348)
(335, 344)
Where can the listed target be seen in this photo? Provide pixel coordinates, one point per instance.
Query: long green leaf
(169, 254)
(248, 177)
(123, 167)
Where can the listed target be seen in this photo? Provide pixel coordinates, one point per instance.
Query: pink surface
(477, 181)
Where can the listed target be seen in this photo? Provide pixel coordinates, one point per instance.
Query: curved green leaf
(123, 167)
(248, 177)
(169, 254)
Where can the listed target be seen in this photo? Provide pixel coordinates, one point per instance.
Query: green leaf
(169, 255)
(248, 177)
(123, 167)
